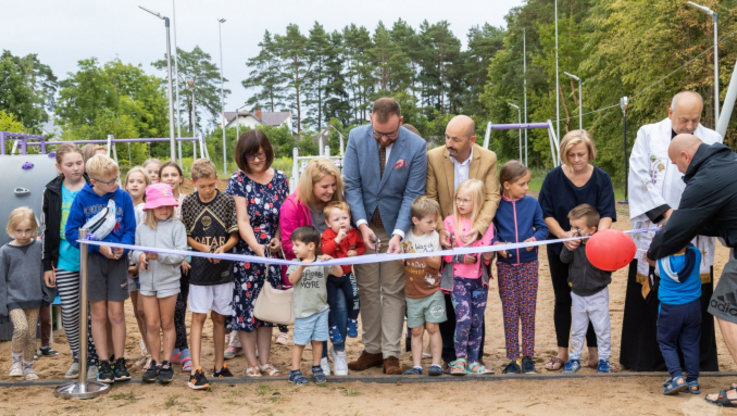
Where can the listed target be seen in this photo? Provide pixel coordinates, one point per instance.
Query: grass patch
(127, 398)
(264, 389)
(171, 401)
(348, 392)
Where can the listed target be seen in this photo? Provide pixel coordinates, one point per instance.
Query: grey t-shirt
(310, 293)
(318, 219)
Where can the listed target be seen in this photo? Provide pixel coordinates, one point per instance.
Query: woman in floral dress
(259, 192)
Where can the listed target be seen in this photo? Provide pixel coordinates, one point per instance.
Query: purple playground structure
(548, 125)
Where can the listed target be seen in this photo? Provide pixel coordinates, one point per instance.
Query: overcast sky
(63, 32)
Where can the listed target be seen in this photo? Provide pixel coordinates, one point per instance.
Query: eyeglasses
(110, 182)
(390, 136)
(256, 156)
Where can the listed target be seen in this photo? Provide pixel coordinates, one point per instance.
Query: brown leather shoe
(366, 360)
(392, 367)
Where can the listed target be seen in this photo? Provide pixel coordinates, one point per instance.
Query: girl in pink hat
(159, 276)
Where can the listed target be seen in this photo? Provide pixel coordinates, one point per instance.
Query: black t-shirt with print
(210, 223)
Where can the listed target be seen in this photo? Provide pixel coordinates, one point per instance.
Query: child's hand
(652, 263)
(488, 256)
(218, 251)
(107, 252)
(469, 259)
(185, 267)
(204, 248)
(352, 253)
(49, 279)
(325, 257)
(152, 256)
(502, 253)
(143, 262)
(529, 240)
(342, 234)
(133, 270)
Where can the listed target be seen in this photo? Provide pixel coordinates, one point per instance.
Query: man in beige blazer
(447, 166)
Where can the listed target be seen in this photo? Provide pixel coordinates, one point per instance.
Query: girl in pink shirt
(469, 289)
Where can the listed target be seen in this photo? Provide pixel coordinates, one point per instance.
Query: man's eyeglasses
(257, 156)
(390, 136)
(110, 182)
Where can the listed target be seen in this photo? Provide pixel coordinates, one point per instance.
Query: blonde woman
(320, 184)
(573, 183)
(468, 288)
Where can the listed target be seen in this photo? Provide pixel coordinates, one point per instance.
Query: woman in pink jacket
(319, 184)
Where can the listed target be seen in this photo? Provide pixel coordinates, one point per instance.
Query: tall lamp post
(222, 95)
(580, 100)
(172, 140)
(519, 121)
(623, 105)
(524, 71)
(176, 82)
(715, 18)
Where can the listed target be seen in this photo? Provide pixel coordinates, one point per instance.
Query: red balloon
(610, 250)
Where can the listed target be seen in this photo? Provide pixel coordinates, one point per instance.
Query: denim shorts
(312, 328)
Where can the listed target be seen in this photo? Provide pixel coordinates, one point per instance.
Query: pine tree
(292, 48)
(265, 76)
(319, 52)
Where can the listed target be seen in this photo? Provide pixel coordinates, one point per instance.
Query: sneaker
(166, 372)
(16, 370)
(353, 328)
(296, 377)
(92, 372)
(224, 372)
(572, 366)
(29, 374)
(512, 368)
(325, 365)
(528, 366)
(414, 371)
(283, 338)
(603, 367)
(435, 370)
(151, 373)
(105, 373)
(318, 376)
(46, 351)
(73, 371)
(120, 371)
(198, 381)
(232, 352)
(340, 366)
(334, 334)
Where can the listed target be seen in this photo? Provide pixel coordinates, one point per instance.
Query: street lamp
(222, 94)
(172, 141)
(715, 18)
(524, 71)
(580, 100)
(519, 129)
(176, 83)
(623, 104)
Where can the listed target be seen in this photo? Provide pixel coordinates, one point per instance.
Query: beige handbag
(274, 305)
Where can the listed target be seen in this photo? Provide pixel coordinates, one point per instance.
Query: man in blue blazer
(385, 170)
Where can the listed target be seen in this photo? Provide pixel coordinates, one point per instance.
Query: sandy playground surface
(584, 394)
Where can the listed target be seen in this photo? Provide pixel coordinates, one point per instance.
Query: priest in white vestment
(655, 188)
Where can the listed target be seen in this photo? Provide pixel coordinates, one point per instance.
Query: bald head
(460, 135)
(685, 112)
(682, 150)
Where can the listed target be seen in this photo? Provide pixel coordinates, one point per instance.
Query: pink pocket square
(401, 163)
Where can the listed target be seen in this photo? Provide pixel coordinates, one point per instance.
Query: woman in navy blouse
(576, 181)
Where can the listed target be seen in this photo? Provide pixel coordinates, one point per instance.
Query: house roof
(268, 118)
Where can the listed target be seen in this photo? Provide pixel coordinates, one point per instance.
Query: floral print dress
(264, 203)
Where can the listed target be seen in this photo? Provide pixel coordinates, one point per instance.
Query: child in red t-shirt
(339, 241)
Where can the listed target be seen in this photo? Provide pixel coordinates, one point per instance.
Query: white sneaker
(16, 370)
(73, 371)
(283, 338)
(325, 364)
(340, 366)
(29, 374)
(92, 372)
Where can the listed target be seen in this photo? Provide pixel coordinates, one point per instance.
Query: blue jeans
(338, 314)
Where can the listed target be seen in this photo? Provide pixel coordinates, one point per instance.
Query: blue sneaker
(296, 377)
(603, 367)
(335, 337)
(318, 376)
(572, 366)
(414, 371)
(353, 328)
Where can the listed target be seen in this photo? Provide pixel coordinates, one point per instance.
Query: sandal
(674, 387)
(269, 370)
(253, 372)
(186, 360)
(479, 369)
(458, 367)
(722, 400)
(691, 385)
(554, 364)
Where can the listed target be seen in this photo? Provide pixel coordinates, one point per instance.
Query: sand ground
(632, 394)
